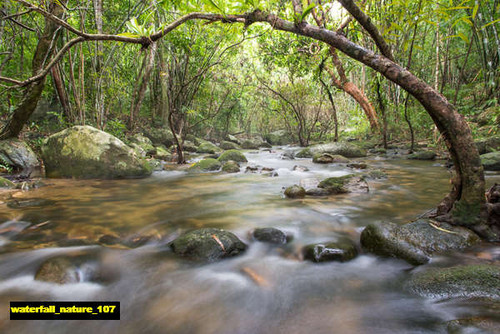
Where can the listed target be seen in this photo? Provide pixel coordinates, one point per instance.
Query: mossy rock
(326, 158)
(341, 250)
(233, 139)
(270, 235)
(336, 185)
(347, 150)
(423, 155)
(208, 244)
(415, 242)
(189, 146)
(304, 153)
(295, 191)
(72, 269)
(491, 161)
(138, 140)
(163, 154)
(250, 144)
(227, 145)
(208, 147)
(463, 281)
(4, 183)
(206, 165)
(375, 174)
(280, 137)
(160, 136)
(233, 155)
(84, 152)
(231, 167)
(488, 145)
(17, 154)
(473, 325)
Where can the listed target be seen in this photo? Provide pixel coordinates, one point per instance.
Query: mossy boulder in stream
(17, 154)
(415, 242)
(295, 191)
(206, 165)
(231, 167)
(344, 184)
(341, 250)
(4, 183)
(144, 143)
(423, 155)
(280, 137)
(84, 152)
(304, 153)
(208, 244)
(233, 155)
(327, 158)
(491, 161)
(347, 150)
(208, 147)
(463, 281)
(227, 145)
(67, 269)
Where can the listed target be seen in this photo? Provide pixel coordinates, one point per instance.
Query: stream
(162, 293)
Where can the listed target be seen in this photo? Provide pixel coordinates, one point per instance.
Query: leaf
(212, 4)
(474, 12)
(128, 34)
(488, 24)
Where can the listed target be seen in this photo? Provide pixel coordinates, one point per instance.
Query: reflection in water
(267, 290)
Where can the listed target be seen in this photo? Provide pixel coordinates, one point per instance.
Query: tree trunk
(33, 92)
(61, 92)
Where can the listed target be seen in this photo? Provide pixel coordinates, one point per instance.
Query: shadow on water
(267, 290)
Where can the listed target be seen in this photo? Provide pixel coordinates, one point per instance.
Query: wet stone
(270, 235)
(342, 250)
(295, 191)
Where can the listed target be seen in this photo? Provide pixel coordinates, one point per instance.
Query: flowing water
(266, 290)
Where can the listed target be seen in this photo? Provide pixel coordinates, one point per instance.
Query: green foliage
(117, 128)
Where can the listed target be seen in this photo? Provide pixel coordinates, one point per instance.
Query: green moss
(231, 167)
(335, 185)
(208, 147)
(466, 214)
(4, 183)
(295, 191)
(233, 155)
(304, 153)
(491, 161)
(206, 165)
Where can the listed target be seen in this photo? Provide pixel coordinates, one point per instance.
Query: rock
(206, 165)
(488, 145)
(17, 154)
(234, 155)
(231, 167)
(233, 139)
(491, 161)
(189, 146)
(160, 136)
(344, 184)
(375, 174)
(139, 151)
(358, 165)
(163, 154)
(489, 116)
(423, 155)
(347, 150)
(30, 203)
(379, 150)
(252, 169)
(304, 153)
(327, 158)
(4, 183)
(295, 191)
(473, 325)
(309, 183)
(462, 281)
(270, 235)
(227, 145)
(317, 192)
(208, 147)
(250, 145)
(280, 137)
(342, 250)
(208, 244)
(84, 152)
(300, 168)
(69, 269)
(415, 242)
(144, 143)
(288, 155)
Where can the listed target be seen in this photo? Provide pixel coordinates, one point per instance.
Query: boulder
(143, 142)
(206, 165)
(358, 165)
(17, 154)
(304, 153)
(227, 145)
(491, 161)
(208, 147)
(160, 136)
(415, 242)
(234, 155)
(473, 325)
(280, 137)
(344, 184)
(462, 281)
(327, 158)
(231, 167)
(4, 183)
(270, 235)
(208, 244)
(347, 150)
(288, 155)
(233, 139)
(488, 145)
(341, 250)
(71, 269)
(250, 145)
(300, 168)
(85, 152)
(423, 155)
(189, 146)
(295, 191)
(163, 154)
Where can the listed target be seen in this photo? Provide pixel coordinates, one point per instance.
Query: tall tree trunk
(33, 91)
(61, 92)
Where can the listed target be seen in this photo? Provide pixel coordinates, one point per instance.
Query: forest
(252, 166)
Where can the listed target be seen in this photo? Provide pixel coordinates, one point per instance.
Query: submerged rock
(463, 281)
(423, 155)
(206, 165)
(341, 250)
(270, 235)
(30, 203)
(234, 155)
(17, 154)
(295, 191)
(208, 244)
(415, 242)
(344, 184)
(491, 161)
(347, 150)
(358, 165)
(231, 167)
(85, 152)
